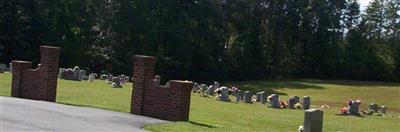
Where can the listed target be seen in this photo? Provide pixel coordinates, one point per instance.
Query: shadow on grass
(202, 124)
(271, 87)
(352, 83)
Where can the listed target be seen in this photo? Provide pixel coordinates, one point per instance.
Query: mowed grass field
(207, 114)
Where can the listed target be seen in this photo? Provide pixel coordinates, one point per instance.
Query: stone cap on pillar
(21, 62)
(50, 50)
(21, 65)
(17, 63)
(180, 81)
(145, 59)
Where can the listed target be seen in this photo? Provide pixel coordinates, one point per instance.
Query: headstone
(296, 99)
(210, 90)
(258, 96)
(196, 87)
(10, 69)
(167, 85)
(239, 95)
(76, 71)
(274, 101)
(224, 96)
(81, 74)
(61, 73)
(157, 81)
(353, 107)
(116, 82)
(306, 102)
(383, 109)
(123, 79)
(313, 120)
(69, 74)
(247, 97)
(216, 85)
(261, 97)
(373, 107)
(92, 77)
(292, 102)
(203, 90)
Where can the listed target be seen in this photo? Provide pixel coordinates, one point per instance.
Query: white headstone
(81, 74)
(210, 90)
(195, 87)
(76, 71)
(10, 67)
(224, 96)
(92, 77)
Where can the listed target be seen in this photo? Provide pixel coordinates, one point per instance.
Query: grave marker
(224, 96)
(274, 101)
(247, 97)
(306, 102)
(313, 120)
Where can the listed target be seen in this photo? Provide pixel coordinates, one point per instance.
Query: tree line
(211, 39)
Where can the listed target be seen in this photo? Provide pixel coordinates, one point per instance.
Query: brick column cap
(180, 81)
(49, 47)
(144, 56)
(151, 59)
(148, 60)
(21, 62)
(50, 50)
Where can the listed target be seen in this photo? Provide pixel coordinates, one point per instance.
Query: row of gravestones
(374, 108)
(116, 81)
(72, 74)
(209, 91)
(248, 97)
(312, 118)
(353, 108)
(76, 74)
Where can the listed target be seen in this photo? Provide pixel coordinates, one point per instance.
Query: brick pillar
(143, 74)
(48, 71)
(181, 96)
(17, 77)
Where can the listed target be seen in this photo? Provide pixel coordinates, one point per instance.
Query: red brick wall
(169, 103)
(39, 83)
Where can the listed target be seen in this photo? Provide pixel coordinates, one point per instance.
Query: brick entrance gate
(39, 83)
(171, 102)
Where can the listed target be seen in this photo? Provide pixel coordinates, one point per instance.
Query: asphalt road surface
(21, 115)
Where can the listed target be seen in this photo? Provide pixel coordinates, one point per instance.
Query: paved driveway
(28, 115)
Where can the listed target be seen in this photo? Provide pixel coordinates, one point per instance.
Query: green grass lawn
(207, 114)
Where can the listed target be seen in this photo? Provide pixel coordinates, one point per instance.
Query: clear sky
(363, 4)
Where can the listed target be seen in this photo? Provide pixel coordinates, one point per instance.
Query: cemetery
(200, 66)
(301, 107)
